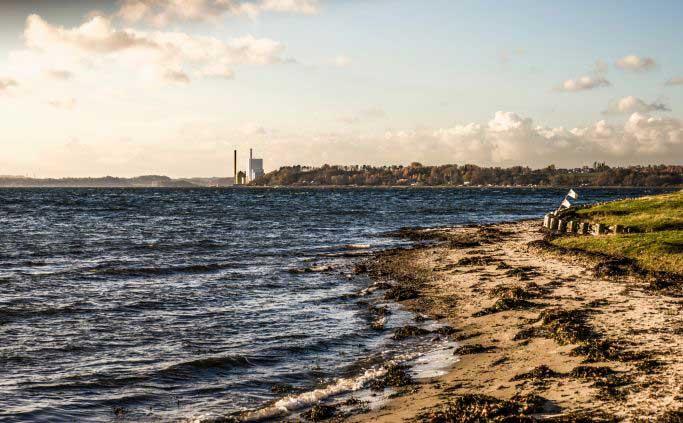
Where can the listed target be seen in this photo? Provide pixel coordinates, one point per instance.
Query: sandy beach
(543, 333)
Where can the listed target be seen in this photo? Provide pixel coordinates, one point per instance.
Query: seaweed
(445, 330)
(523, 273)
(584, 417)
(320, 412)
(539, 373)
(671, 416)
(476, 408)
(473, 349)
(409, 331)
(401, 293)
(477, 261)
(466, 336)
(396, 376)
(505, 304)
(590, 372)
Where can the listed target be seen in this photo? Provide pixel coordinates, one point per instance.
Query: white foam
(292, 403)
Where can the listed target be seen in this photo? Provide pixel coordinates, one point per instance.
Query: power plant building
(254, 167)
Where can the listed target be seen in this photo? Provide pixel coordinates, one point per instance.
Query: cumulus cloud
(631, 104)
(509, 139)
(162, 12)
(171, 54)
(63, 104)
(677, 80)
(636, 63)
(583, 83)
(7, 83)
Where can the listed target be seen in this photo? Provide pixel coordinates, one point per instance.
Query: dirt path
(534, 311)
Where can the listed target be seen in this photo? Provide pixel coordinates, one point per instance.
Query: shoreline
(538, 329)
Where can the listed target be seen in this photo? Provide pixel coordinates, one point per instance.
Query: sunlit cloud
(678, 80)
(162, 12)
(583, 83)
(631, 104)
(636, 63)
(97, 42)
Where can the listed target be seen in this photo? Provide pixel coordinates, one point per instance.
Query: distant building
(254, 167)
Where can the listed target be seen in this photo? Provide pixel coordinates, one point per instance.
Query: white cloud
(63, 104)
(631, 104)
(583, 83)
(510, 139)
(677, 80)
(161, 12)
(7, 83)
(636, 63)
(171, 55)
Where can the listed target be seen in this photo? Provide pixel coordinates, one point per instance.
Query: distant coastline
(413, 175)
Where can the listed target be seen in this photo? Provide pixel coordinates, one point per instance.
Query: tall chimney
(234, 164)
(251, 156)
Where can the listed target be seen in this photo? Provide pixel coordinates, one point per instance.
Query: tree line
(415, 174)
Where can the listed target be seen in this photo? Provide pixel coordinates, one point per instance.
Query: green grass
(647, 214)
(653, 250)
(660, 218)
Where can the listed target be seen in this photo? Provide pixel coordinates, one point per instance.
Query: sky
(172, 87)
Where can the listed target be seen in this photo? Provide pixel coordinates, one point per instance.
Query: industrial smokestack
(234, 165)
(251, 156)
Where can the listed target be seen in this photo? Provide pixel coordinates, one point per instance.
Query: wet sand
(535, 323)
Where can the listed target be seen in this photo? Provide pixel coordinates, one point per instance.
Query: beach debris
(409, 331)
(538, 373)
(466, 336)
(476, 408)
(477, 261)
(396, 376)
(504, 304)
(583, 417)
(473, 349)
(401, 293)
(320, 412)
(671, 416)
(523, 273)
(590, 372)
(445, 330)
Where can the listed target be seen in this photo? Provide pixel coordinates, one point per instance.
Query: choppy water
(173, 303)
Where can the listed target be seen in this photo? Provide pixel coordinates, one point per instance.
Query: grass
(659, 218)
(647, 214)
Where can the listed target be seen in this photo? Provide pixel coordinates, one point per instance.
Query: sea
(188, 304)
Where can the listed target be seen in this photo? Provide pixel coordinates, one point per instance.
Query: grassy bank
(659, 218)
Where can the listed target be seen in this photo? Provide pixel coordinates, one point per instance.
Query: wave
(152, 271)
(226, 362)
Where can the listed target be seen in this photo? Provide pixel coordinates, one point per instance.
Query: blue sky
(377, 82)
